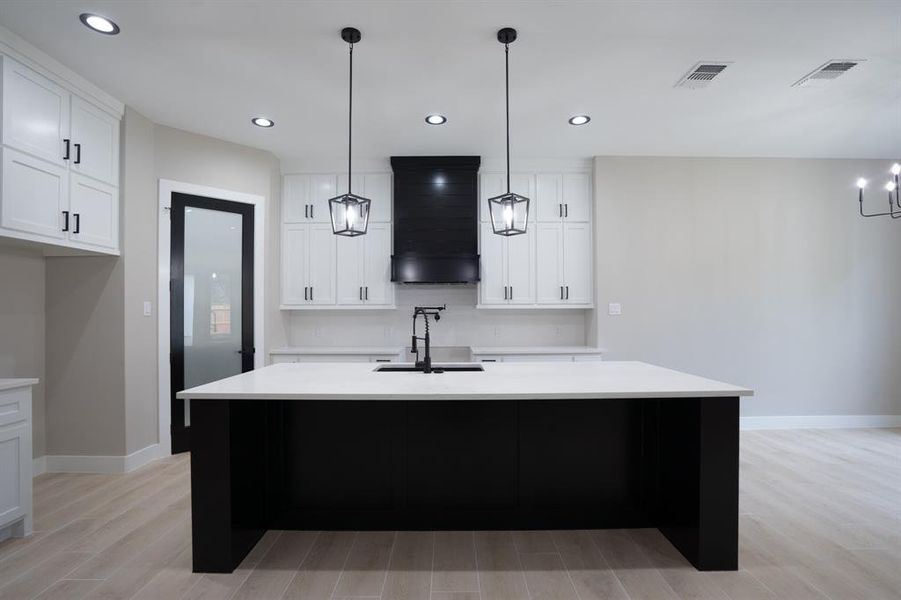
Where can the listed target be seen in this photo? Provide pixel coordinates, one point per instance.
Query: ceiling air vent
(827, 72)
(700, 75)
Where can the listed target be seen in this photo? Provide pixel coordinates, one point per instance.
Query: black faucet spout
(426, 311)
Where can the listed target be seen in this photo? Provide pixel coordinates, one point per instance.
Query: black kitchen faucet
(425, 311)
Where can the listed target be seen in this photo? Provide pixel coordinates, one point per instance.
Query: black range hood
(436, 215)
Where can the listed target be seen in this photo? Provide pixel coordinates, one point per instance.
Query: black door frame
(181, 435)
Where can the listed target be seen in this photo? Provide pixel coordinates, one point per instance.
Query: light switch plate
(614, 309)
(148, 308)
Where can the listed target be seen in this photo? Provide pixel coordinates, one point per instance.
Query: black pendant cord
(350, 114)
(507, 91)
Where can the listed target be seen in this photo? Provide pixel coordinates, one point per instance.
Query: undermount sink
(435, 368)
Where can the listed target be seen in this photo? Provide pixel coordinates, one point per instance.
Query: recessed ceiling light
(99, 24)
(579, 120)
(436, 119)
(262, 122)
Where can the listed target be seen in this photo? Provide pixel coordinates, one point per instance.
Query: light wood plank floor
(820, 518)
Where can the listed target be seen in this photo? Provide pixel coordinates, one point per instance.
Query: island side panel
(697, 479)
(227, 482)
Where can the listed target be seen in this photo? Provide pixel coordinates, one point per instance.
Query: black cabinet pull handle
(367, 292)
(560, 206)
(311, 293)
(489, 360)
(306, 211)
(77, 223)
(567, 292)
(67, 142)
(383, 360)
(66, 221)
(77, 154)
(505, 292)
(566, 210)
(511, 292)
(305, 292)
(361, 292)
(311, 211)
(561, 292)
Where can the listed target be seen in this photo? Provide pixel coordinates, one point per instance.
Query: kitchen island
(580, 445)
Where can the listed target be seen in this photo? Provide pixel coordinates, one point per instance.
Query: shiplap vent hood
(700, 75)
(827, 72)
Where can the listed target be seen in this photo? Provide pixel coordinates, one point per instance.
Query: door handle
(567, 292)
(77, 223)
(67, 142)
(66, 221)
(244, 352)
(77, 154)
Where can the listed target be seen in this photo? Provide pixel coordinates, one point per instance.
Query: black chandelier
(349, 212)
(509, 212)
(893, 187)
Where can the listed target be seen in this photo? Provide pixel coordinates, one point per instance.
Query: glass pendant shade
(350, 214)
(509, 214)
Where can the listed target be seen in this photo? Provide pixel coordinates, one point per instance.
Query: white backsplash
(461, 325)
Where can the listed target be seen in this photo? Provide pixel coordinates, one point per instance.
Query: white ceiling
(208, 66)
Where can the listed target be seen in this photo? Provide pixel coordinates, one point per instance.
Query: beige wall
(22, 327)
(84, 356)
(755, 271)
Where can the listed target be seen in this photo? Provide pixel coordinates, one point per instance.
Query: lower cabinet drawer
(12, 407)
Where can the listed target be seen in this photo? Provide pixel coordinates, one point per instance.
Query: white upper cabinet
(551, 266)
(322, 189)
(35, 113)
(95, 142)
(576, 197)
(564, 197)
(507, 268)
(35, 194)
(308, 265)
(549, 192)
(321, 270)
(94, 212)
(60, 164)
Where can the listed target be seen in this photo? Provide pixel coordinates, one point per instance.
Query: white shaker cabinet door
(490, 185)
(493, 285)
(95, 142)
(94, 212)
(15, 477)
(521, 267)
(321, 264)
(577, 197)
(577, 263)
(350, 252)
(322, 188)
(549, 263)
(378, 288)
(35, 193)
(296, 199)
(549, 197)
(35, 113)
(378, 188)
(295, 247)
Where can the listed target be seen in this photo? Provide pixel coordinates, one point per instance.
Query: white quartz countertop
(499, 381)
(535, 350)
(11, 384)
(337, 350)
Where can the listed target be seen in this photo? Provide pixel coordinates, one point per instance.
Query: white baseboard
(99, 464)
(39, 466)
(820, 422)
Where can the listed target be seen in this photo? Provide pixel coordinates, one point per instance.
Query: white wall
(755, 271)
(460, 325)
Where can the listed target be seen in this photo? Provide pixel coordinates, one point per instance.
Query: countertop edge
(14, 383)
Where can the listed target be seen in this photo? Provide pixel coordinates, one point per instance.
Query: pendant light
(349, 212)
(893, 187)
(509, 212)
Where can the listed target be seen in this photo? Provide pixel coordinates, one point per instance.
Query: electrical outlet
(614, 309)
(148, 308)
(317, 331)
(497, 332)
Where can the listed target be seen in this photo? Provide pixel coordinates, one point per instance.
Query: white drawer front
(12, 407)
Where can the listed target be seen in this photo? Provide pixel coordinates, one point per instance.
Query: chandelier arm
(891, 213)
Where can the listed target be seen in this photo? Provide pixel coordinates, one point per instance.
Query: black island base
(670, 463)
